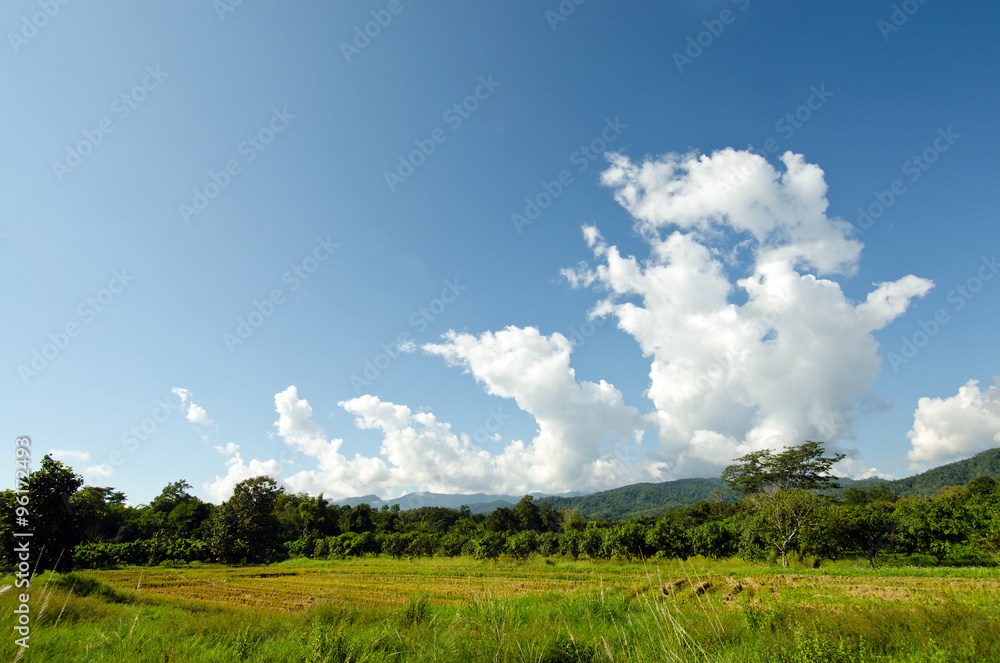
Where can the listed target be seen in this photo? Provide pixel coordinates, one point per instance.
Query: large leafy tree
(245, 528)
(775, 487)
(933, 526)
(50, 490)
(100, 513)
(803, 467)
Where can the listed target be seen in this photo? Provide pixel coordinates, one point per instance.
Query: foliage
(263, 523)
(639, 500)
(779, 517)
(55, 531)
(983, 464)
(802, 467)
(244, 528)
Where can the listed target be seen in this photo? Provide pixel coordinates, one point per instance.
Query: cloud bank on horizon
(752, 344)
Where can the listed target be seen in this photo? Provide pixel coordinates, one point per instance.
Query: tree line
(779, 514)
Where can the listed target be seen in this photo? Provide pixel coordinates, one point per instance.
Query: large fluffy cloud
(961, 425)
(582, 429)
(752, 344)
(576, 420)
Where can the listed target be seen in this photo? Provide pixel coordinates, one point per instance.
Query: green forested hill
(641, 499)
(983, 464)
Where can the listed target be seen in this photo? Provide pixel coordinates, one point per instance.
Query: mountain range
(653, 499)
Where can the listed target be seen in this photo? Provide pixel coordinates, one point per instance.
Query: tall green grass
(743, 613)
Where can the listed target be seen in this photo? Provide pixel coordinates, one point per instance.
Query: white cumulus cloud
(102, 471)
(960, 425)
(581, 425)
(195, 413)
(752, 344)
(576, 420)
(70, 455)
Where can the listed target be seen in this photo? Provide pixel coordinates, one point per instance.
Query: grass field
(459, 610)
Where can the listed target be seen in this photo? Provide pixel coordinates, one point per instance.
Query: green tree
(172, 494)
(803, 467)
(528, 515)
(934, 525)
(245, 527)
(358, 520)
(668, 538)
(100, 513)
(713, 538)
(50, 491)
(489, 546)
(521, 544)
(572, 520)
(502, 520)
(872, 528)
(778, 518)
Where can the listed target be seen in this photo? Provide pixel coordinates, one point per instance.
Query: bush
(566, 650)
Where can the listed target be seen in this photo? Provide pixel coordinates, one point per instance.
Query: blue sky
(171, 170)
